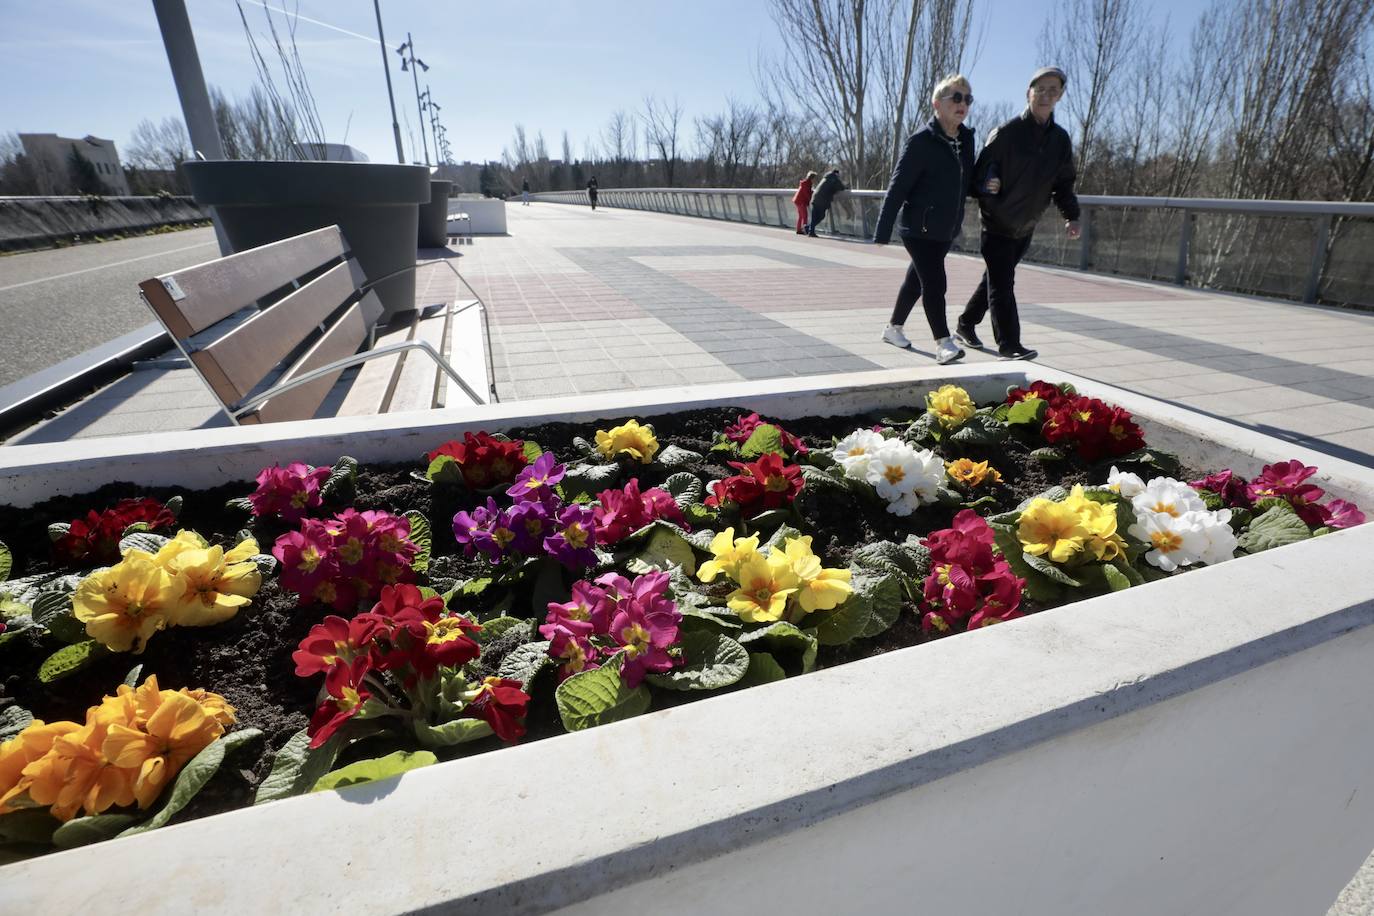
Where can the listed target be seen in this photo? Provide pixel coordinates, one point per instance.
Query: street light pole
(410, 65)
(386, 66)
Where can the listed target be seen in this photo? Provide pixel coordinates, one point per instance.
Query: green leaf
(979, 430)
(13, 720)
(673, 456)
(523, 663)
(50, 605)
(818, 480)
(239, 504)
(173, 506)
(765, 438)
(1278, 526)
(83, 831)
(451, 733)
(298, 766)
(685, 488)
(784, 640)
(394, 764)
(531, 450)
(1030, 411)
(34, 825)
(339, 486)
(131, 679)
(70, 659)
(666, 547)
(908, 561)
(763, 669)
(58, 530)
(142, 540)
(6, 562)
(1038, 587)
(779, 538)
(712, 661)
(1116, 579)
(14, 625)
(1050, 570)
(591, 698)
(870, 610)
(500, 626)
(194, 776)
(444, 470)
(1048, 454)
(587, 449)
(420, 537)
(589, 478)
(1166, 463)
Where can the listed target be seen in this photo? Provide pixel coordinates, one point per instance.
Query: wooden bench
(272, 329)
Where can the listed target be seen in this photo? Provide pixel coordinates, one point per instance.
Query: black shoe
(967, 337)
(1018, 353)
(811, 235)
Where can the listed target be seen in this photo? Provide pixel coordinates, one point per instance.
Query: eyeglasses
(1052, 92)
(958, 98)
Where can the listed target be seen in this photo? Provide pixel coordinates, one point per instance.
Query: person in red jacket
(803, 201)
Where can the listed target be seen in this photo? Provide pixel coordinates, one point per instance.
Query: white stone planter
(1202, 744)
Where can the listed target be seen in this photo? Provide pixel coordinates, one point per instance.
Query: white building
(51, 157)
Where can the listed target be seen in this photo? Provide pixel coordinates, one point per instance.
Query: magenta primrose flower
(1342, 514)
(530, 522)
(587, 614)
(537, 481)
(574, 536)
(621, 513)
(289, 491)
(1229, 486)
(645, 624)
(486, 529)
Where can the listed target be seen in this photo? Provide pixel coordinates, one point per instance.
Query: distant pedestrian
(525, 193)
(591, 191)
(928, 187)
(1034, 158)
(823, 197)
(802, 200)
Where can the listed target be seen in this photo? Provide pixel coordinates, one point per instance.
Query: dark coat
(829, 187)
(1035, 164)
(928, 186)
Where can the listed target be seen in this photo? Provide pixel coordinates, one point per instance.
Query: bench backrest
(312, 311)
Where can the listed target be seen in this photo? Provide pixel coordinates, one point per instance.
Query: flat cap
(1049, 71)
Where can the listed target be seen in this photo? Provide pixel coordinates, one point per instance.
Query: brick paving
(585, 301)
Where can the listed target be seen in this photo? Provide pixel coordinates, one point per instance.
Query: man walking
(525, 193)
(824, 196)
(1033, 158)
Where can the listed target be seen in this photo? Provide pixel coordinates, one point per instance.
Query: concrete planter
(1195, 745)
(434, 215)
(376, 206)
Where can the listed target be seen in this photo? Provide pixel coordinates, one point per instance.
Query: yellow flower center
(351, 551)
(575, 535)
(856, 451)
(894, 473)
(502, 536)
(446, 629)
(1166, 541)
(310, 558)
(776, 483)
(1164, 508)
(636, 640)
(298, 499)
(326, 592)
(579, 613)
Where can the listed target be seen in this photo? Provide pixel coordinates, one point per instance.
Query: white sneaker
(893, 334)
(947, 351)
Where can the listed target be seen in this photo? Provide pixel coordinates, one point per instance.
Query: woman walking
(928, 187)
(591, 192)
(802, 200)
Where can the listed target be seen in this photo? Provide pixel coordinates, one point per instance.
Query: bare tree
(661, 120)
(294, 106)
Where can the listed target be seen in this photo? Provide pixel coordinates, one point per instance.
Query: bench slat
(245, 355)
(216, 289)
(343, 339)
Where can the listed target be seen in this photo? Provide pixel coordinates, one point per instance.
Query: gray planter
(434, 215)
(376, 206)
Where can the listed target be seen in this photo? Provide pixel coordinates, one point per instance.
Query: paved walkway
(591, 301)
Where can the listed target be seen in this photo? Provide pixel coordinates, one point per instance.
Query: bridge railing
(1310, 251)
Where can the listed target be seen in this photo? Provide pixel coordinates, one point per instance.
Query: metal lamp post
(391, 97)
(410, 64)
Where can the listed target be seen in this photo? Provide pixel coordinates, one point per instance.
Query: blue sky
(77, 67)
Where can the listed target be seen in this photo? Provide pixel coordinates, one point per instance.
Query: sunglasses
(958, 98)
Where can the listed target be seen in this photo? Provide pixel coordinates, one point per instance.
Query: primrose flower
(1175, 540)
(537, 481)
(95, 539)
(501, 703)
(529, 523)
(645, 625)
(306, 557)
(1231, 487)
(967, 583)
(905, 477)
(1221, 538)
(1128, 485)
(1343, 514)
(818, 589)
(1052, 530)
(767, 483)
(740, 431)
(483, 460)
(177, 730)
(950, 405)
(1050, 394)
(574, 537)
(620, 513)
(628, 439)
(30, 745)
(74, 775)
(335, 641)
(765, 584)
(587, 614)
(290, 492)
(1285, 480)
(123, 606)
(728, 554)
(573, 652)
(1001, 597)
(346, 696)
(854, 450)
(969, 473)
(1099, 521)
(217, 583)
(1166, 496)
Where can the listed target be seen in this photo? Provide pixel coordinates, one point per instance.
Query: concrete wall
(41, 222)
(488, 215)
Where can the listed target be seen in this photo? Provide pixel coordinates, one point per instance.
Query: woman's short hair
(953, 81)
(810, 176)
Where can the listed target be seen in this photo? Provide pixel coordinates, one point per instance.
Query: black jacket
(829, 187)
(929, 185)
(1035, 164)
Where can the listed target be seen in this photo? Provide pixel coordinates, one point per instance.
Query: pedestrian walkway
(585, 301)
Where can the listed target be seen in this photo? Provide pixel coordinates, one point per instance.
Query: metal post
(1085, 222)
(180, 44)
(419, 112)
(386, 67)
(1185, 240)
(1321, 237)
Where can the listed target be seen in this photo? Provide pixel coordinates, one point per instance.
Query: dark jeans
(1001, 254)
(591, 195)
(925, 280)
(818, 211)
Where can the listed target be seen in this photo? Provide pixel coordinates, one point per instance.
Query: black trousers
(1001, 254)
(925, 280)
(818, 211)
(591, 195)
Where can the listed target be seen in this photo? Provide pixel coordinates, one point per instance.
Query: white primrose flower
(903, 476)
(1175, 541)
(932, 474)
(853, 451)
(1128, 485)
(1221, 540)
(1166, 496)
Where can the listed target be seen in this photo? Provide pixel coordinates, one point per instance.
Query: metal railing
(1311, 251)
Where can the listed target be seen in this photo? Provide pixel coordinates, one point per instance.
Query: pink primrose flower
(1342, 514)
(289, 492)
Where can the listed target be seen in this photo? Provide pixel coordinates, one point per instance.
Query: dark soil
(248, 659)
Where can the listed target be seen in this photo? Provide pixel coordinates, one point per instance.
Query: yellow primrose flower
(1050, 529)
(217, 583)
(972, 473)
(818, 589)
(31, 744)
(179, 729)
(729, 555)
(950, 404)
(630, 439)
(123, 606)
(1099, 520)
(184, 541)
(75, 775)
(765, 584)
